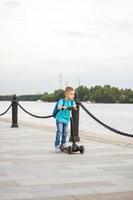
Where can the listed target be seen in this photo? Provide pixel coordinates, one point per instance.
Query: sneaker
(57, 148)
(63, 146)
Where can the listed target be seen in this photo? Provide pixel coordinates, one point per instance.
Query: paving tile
(84, 185)
(31, 170)
(54, 198)
(109, 196)
(16, 196)
(2, 174)
(8, 184)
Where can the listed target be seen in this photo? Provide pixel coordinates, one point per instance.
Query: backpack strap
(56, 110)
(63, 102)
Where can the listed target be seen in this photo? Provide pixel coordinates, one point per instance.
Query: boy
(63, 117)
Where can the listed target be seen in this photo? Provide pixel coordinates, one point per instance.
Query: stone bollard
(14, 112)
(74, 128)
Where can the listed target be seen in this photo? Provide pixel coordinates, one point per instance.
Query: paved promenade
(30, 169)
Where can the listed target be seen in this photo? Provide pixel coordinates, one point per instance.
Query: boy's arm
(60, 105)
(74, 105)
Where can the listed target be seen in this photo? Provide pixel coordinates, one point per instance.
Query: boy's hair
(69, 89)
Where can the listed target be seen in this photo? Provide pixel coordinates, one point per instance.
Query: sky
(87, 42)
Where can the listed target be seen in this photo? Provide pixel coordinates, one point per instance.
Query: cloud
(12, 3)
(74, 33)
(109, 24)
(122, 25)
(90, 40)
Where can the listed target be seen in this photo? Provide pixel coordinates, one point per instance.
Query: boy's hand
(64, 107)
(75, 107)
(60, 107)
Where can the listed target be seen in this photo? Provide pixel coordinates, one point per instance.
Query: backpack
(56, 110)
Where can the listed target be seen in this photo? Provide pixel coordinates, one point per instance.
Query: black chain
(6, 110)
(103, 124)
(85, 109)
(44, 117)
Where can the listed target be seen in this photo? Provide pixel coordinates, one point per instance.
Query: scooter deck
(73, 149)
(66, 150)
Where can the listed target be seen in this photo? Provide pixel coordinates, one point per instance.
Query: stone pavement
(30, 169)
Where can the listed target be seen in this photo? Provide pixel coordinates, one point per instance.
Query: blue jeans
(61, 134)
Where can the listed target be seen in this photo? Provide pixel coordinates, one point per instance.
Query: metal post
(14, 112)
(75, 124)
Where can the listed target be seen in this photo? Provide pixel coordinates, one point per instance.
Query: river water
(118, 116)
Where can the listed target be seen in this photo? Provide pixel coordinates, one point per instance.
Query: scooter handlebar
(68, 108)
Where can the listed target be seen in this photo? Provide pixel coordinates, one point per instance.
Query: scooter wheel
(81, 149)
(70, 149)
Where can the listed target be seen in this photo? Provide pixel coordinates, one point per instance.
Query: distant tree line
(105, 94)
(96, 94)
(31, 97)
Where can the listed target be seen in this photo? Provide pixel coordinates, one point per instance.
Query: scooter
(74, 147)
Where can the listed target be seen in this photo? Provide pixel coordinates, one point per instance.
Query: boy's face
(70, 95)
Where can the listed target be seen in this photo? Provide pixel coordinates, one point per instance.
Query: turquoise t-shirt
(64, 115)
